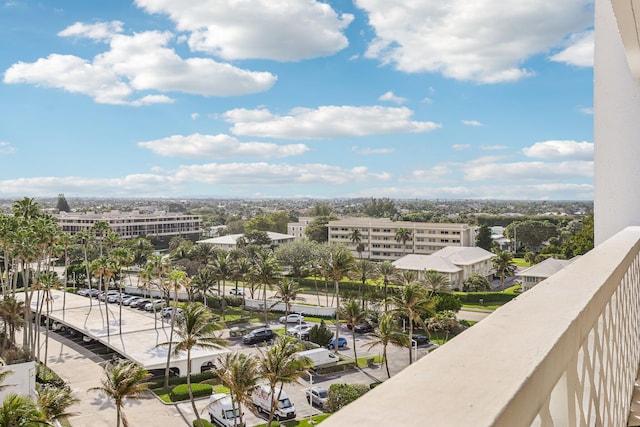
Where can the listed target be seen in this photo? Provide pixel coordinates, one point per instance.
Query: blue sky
(489, 99)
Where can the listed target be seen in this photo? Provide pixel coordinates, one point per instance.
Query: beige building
(134, 224)
(230, 241)
(539, 272)
(378, 236)
(296, 229)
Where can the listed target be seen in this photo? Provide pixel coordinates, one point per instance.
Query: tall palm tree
(403, 235)
(203, 282)
(242, 270)
(503, 263)
(387, 334)
(279, 365)
(265, 272)
(85, 237)
(338, 265)
(101, 228)
(122, 257)
(364, 270)
(176, 278)
(287, 291)
(356, 239)
(195, 329)
(55, 402)
(239, 373)
(17, 411)
(436, 282)
(104, 269)
(389, 273)
(353, 314)
(412, 303)
(11, 312)
(47, 281)
(122, 381)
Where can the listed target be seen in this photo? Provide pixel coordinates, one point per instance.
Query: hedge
(181, 392)
(343, 365)
(487, 297)
(205, 423)
(195, 378)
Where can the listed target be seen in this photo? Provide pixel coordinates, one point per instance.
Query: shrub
(343, 365)
(341, 395)
(205, 423)
(487, 298)
(448, 302)
(320, 334)
(180, 392)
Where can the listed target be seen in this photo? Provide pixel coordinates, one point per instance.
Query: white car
(238, 292)
(292, 318)
(297, 330)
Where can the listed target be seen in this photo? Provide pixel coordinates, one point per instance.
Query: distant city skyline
(297, 98)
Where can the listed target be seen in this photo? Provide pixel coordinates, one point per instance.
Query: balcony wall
(565, 353)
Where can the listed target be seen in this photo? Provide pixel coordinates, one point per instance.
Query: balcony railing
(565, 353)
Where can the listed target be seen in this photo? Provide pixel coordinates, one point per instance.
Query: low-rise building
(378, 237)
(296, 229)
(129, 225)
(455, 263)
(230, 241)
(537, 273)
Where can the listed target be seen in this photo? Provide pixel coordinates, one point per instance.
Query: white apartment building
(296, 229)
(378, 236)
(134, 224)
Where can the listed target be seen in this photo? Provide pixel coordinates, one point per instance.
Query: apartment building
(378, 237)
(296, 229)
(134, 224)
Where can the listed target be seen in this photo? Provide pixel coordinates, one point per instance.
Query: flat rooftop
(141, 333)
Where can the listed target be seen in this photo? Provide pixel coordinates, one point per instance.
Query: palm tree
(239, 373)
(11, 312)
(242, 270)
(176, 279)
(203, 282)
(17, 411)
(338, 265)
(412, 302)
(436, 282)
(85, 238)
(287, 291)
(47, 281)
(101, 228)
(403, 235)
(124, 380)
(104, 269)
(195, 329)
(387, 333)
(55, 402)
(265, 271)
(354, 315)
(279, 365)
(503, 263)
(356, 238)
(364, 270)
(122, 258)
(389, 273)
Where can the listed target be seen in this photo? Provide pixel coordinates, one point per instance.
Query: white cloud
(195, 116)
(474, 123)
(6, 148)
(390, 96)
(219, 146)
(283, 30)
(367, 151)
(482, 40)
(270, 174)
(560, 150)
(579, 52)
(528, 171)
(461, 147)
(586, 110)
(100, 31)
(493, 147)
(435, 174)
(326, 122)
(140, 62)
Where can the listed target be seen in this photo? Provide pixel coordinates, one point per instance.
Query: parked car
(139, 303)
(116, 297)
(91, 293)
(130, 300)
(168, 311)
(295, 331)
(83, 292)
(258, 335)
(292, 318)
(363, 328)
(317, 396)
(342, 342)
(237, 292)
(421, 339)
(157, 305)
(105, 295)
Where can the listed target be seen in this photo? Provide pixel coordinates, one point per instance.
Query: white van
(319, 357)
(261, 397)
(222, 413)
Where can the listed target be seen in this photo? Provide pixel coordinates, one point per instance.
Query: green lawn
(520, 262)
(307, 422)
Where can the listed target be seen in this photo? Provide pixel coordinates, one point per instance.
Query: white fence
(309, 310)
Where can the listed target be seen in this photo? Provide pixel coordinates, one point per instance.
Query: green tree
(476, 283)
(389, 273)
(338, 265)
(503, 264)
(317, 229)
(56, 401)
(353, 314)
(436, 282)
(483, 238)
(412, 303)
(298, 255)
(239, 373)
(176, 279)
(123, 381)
(287, 291)
(320, 334)
(387, 334)
(447, 302)
(280, 365)
(364, 270)
(530, 234)
(21, 411)
(403, 235)
(196, 328)
(340, 395)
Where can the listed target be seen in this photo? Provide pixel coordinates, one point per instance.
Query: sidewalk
(80, 369)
